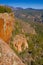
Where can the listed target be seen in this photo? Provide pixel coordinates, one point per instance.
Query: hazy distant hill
(35, 15)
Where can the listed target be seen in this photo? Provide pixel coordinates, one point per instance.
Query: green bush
(5, 9)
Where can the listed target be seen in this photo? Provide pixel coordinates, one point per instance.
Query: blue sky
(37, 4)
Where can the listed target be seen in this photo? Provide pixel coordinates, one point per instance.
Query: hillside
(21, 34)
(30, 20)
(34, 53)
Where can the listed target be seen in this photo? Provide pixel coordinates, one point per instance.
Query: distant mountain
(19, 8)
(29, 13)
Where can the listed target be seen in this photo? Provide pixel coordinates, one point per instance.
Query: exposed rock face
(7, 56)
(20, 43)
(6, 26)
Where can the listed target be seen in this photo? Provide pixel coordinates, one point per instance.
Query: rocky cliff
(6, 26)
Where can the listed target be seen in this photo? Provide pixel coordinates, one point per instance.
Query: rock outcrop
(7, 56)
(6, 26)
(20, 43)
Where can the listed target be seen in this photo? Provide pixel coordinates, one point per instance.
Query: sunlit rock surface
(7, 56)
(20, 43)
(6, 25)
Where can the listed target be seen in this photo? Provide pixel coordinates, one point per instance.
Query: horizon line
(20, 7)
